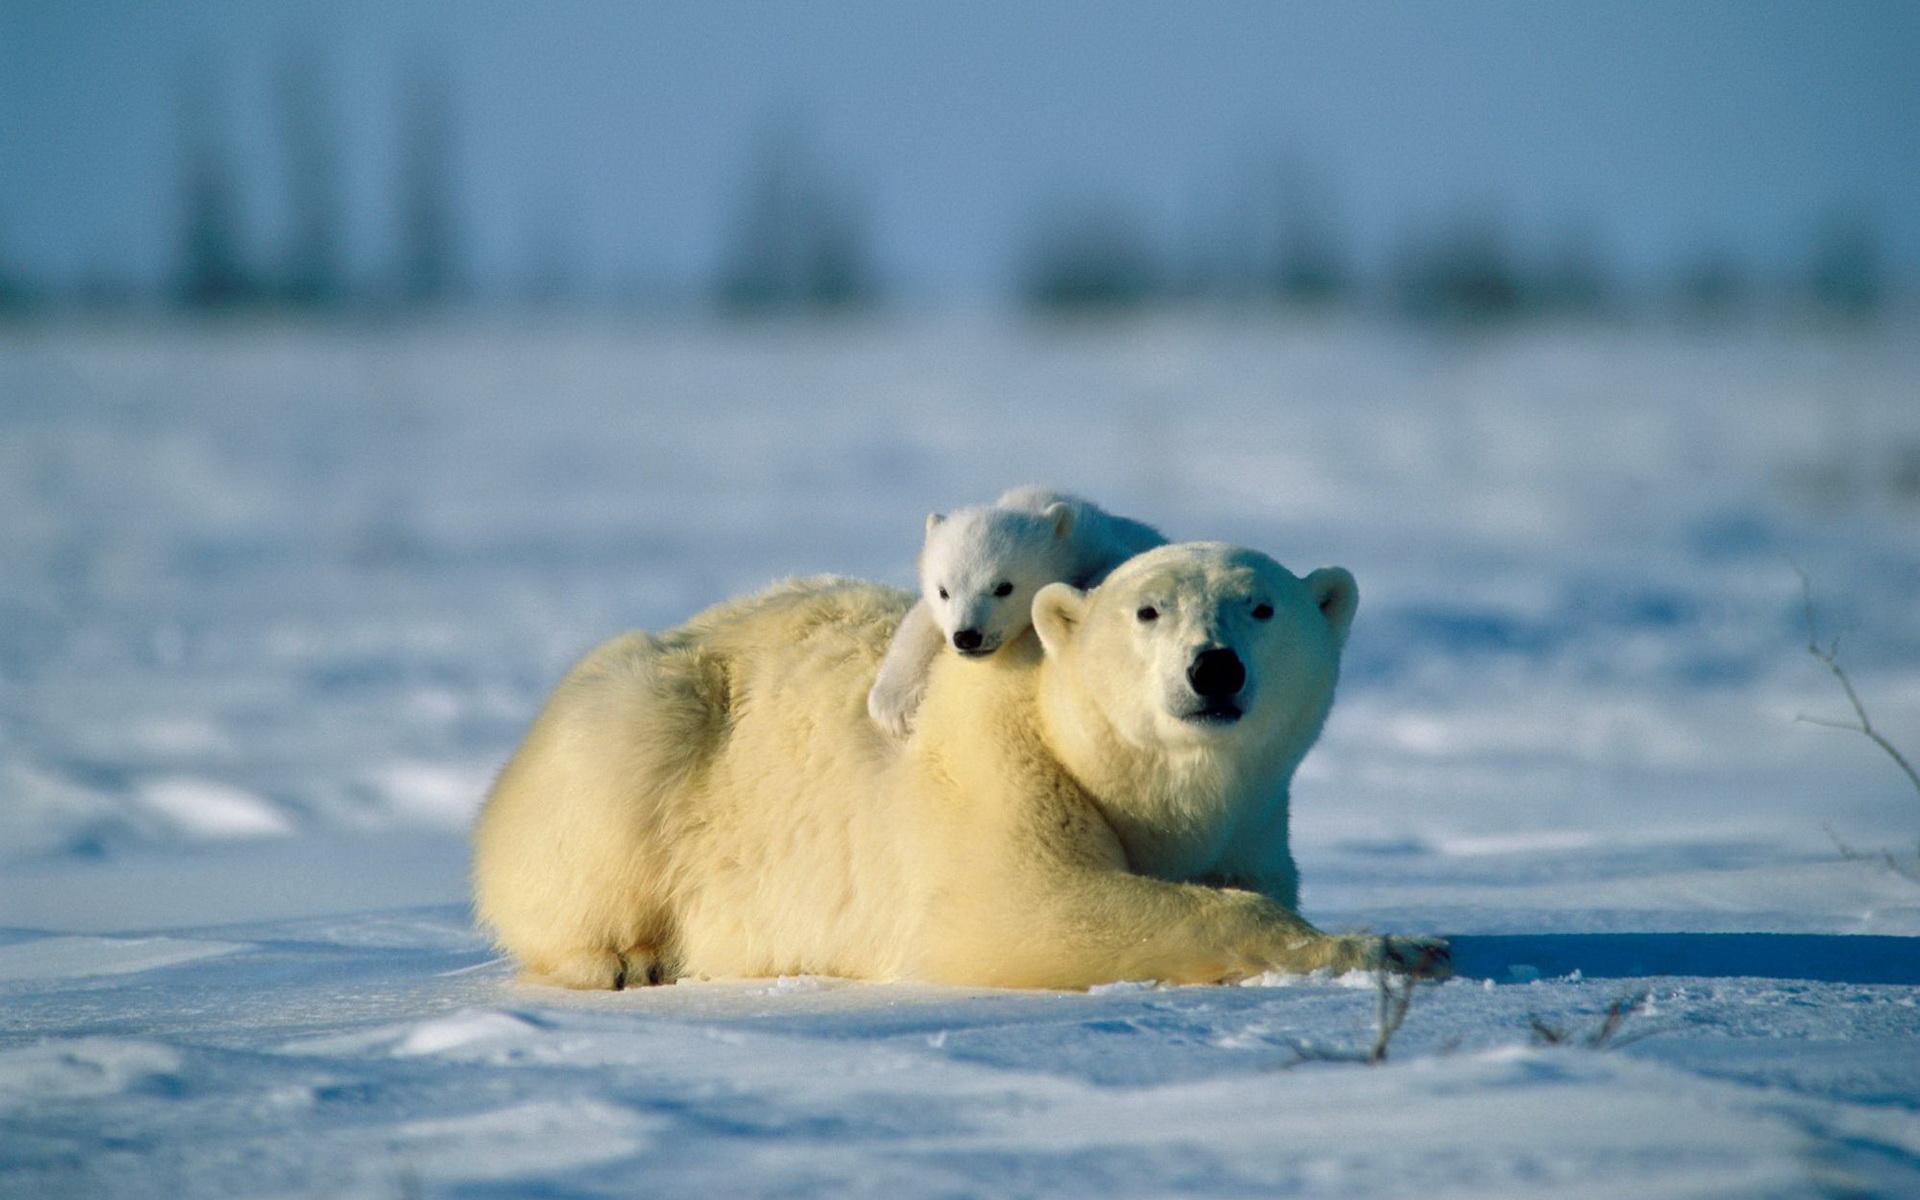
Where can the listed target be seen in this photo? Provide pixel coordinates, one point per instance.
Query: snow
(79, 957)
(199, 808)
(280, 600)
(79, 1069)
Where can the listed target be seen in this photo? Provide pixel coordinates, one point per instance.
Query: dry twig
(1885, 858)
(1829, 656)
(1605, 1034)
(1393, 996)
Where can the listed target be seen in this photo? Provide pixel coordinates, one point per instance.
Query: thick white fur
(1026, 539)
(713, 801)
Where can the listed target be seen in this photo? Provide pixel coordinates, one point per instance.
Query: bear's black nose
(1217, 673)
(967, 639)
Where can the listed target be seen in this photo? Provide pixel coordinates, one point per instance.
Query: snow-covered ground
(275, 602)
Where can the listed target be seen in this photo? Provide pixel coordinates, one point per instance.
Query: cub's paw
(892, 706)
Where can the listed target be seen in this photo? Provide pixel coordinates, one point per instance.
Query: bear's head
(1197, 651)
(980, 568)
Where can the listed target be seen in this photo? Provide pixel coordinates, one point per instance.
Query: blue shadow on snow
(1829, 958)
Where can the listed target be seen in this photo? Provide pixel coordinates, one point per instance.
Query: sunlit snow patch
(520, 1140)
(1359, 980)
(78, 1069)
(202, 808)
(1524, 842)
(460, 1029)
(468, 1028)
(78, 957)
(433, 793)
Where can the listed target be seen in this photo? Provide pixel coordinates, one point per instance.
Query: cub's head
(980, 568)
(1200, 644)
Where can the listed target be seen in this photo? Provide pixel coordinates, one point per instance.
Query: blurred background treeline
(1476, 162)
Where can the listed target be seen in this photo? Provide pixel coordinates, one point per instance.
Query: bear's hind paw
(600, 970)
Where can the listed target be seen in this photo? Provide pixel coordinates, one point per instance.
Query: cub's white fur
(713, 800)
(979, 569)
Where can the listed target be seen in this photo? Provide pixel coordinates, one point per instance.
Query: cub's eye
(1262, 612)
(1148, 613)
(1005, 589)
(943, 593)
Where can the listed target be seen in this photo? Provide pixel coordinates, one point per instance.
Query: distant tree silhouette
(1087, 256)
(314, 275)
(105, 289)
(1572, 279)
(15, 296)
(429, 249)
(1713, 285)
(1465, 272)
(797, 241)
(549, 265)
(1845, 277)
(838, 269)
(758, 273)
(212, 272)
(1307, 266)
(1271, 235)
(1207, 255)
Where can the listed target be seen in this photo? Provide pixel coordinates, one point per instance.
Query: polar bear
(979, 569)
(1105, 799)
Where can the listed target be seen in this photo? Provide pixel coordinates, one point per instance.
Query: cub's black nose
(1217, 674)
(967, 639)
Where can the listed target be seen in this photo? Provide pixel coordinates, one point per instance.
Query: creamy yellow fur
(714, 800)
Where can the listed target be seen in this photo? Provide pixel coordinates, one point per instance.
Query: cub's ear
(1057, 609)
(933, 522)
(1336, 595)
(1061, 514)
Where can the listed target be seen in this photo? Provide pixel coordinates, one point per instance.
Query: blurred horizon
(1481, 160)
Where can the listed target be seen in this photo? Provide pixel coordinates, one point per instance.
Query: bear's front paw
(892, 707)
(1420, 957)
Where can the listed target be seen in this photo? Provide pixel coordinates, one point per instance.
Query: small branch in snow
(1545, 1034)
(1617, 1014)
(1603, 1035)
(1883, 858)
(1829, 656)
(1393, 996)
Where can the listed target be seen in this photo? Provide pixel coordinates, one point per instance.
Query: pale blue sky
(1659, 126)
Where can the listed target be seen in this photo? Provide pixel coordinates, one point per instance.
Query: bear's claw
(1420, 957)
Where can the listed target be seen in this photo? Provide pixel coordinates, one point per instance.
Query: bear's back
(819, 627)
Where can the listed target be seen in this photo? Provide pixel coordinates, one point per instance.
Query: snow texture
(278, 602)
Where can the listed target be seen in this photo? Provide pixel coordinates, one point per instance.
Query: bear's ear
(1336, 595)
(1060, 514)
(1057, 609)
(933, 522)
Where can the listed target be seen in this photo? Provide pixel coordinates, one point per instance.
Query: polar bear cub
(979, 569)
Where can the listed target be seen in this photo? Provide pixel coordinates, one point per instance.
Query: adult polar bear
(1107, 803)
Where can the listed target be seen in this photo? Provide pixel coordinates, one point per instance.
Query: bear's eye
(943, 593)
(1148, 613)
(1005, 589)
(1262, 612)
